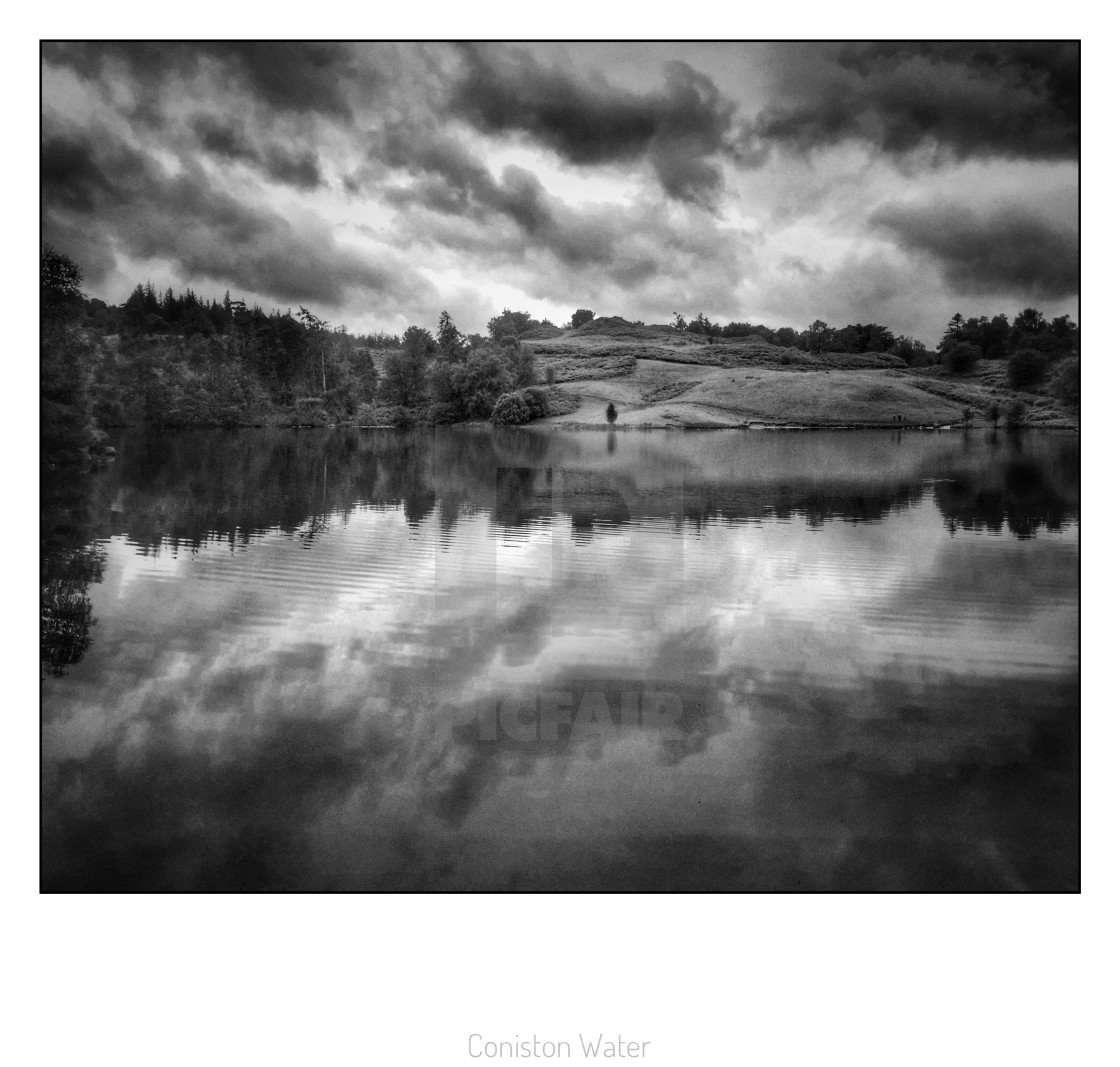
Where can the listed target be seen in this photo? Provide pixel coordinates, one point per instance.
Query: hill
(657, 376)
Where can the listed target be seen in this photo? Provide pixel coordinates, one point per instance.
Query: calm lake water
(521, 659)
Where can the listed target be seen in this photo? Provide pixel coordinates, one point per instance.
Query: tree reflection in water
(861, 710)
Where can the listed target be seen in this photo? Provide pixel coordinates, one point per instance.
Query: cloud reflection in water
(879, 690)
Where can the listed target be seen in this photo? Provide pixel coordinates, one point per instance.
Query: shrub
(1026, 367)
(510, 410)
(966, 415)
(550, 376)
(537, 402)
(1067, 384)
(993, 413)
(962, 357)
(367, 415)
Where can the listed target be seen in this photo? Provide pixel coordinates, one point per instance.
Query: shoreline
(560, 424)
(803, 427)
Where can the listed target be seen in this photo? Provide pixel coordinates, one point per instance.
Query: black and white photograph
(542, 467)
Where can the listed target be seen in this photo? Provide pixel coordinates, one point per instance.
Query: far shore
(658, 393)
(567, 424)
(750, 387)
(561, 424)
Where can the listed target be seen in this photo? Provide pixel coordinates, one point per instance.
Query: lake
(524, 659)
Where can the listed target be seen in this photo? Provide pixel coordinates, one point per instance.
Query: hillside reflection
(869, 641)
(185, 489)
(181, 491)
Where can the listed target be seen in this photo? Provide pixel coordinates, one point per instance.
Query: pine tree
(448, 337)
(169, 308)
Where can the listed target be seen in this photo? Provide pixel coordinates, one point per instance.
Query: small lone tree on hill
(612, 413)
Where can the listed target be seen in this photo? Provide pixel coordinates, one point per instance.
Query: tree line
(819, 337)
(1032, 346)
(168, 359)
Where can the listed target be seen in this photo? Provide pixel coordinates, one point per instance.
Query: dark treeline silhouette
(819, 337)
(176, 361)
(1035, 349)
(148, 312)
(963, 344)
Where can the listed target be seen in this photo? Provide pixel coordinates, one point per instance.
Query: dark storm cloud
(231, 141)
(589, 121)
(456, 181)
(289, 76)
(72, 178)
(1012, 100)
(539, 222)
(1010, 249)
(456, 202)
(453, 181)
(259, 137)
(125, 198)
(215, 147)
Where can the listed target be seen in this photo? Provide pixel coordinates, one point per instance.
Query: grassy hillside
(656, 376)
(605, 337)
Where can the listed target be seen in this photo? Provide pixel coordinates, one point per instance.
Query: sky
(378, 184)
